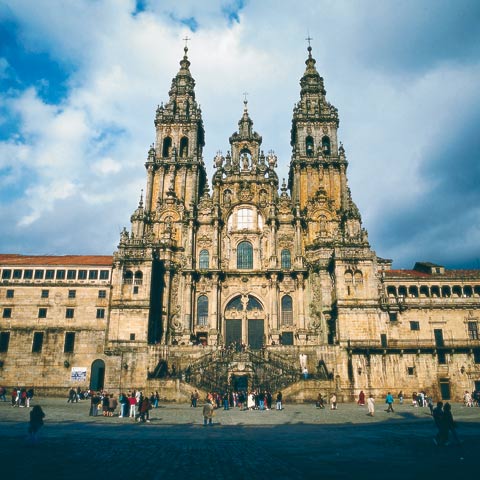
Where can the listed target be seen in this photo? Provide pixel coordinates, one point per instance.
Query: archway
(245, 322)
(97, 375)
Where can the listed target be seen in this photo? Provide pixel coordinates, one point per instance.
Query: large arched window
(184, 147)
(244, 255)
(286, 259)
(167, 146)
(128, 277)
(287, 310)
(202, 310)
(203, 260)
(138, 277)
(309, 146)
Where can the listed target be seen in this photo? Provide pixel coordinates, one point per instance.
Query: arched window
(128, 276)
(287, 310)
(244, 255)
(286, 259)
(358, 278)
(309, 146)
(184, 147)
(202, 310)
(326, 145)
(167, 147)
(138, 277)
(348, 277)
(203, 260)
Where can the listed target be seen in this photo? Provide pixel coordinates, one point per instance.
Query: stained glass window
(244, 255)
(202, 310)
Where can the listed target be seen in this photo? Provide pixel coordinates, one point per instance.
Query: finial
(185, 48)
(245, 101)
(140, 203)
(309, 39)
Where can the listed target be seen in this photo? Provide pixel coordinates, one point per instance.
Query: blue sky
(80, 81)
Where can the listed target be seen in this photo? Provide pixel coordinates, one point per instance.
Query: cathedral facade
(249, 280)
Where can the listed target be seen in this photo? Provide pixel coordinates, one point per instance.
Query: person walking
(207, 413)
(389, 401)
(361, 399)
(400, 397)
(320, 402)
(371, 405)
(333, 401)
(439, 439)
(36, 422)
(279, 401)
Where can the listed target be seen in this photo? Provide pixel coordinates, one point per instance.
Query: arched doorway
(245, 322)
(97, 375)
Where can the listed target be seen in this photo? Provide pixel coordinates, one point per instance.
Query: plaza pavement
(299, 442)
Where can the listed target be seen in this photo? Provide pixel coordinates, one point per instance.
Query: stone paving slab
(298, 442)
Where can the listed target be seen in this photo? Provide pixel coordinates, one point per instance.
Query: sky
(80, 81)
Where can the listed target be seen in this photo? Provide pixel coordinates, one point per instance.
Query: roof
(448, 275)
(12, 259)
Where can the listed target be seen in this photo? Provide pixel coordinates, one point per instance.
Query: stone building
(245, 284)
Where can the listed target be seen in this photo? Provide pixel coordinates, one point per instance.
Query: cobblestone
(297, 442)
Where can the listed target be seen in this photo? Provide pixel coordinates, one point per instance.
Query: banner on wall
(79, 374)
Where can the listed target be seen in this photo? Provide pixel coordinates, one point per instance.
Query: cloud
(402, 74)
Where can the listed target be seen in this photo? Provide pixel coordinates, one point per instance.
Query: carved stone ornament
(245, 194)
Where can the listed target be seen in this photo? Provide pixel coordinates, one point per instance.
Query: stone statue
(245, 162)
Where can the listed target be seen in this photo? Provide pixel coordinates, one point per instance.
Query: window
(69, 342)
(102, 294)
(383, 340)
(42, 313)
(326, 145)
(10, 293)
(4, 341)
(49, 274)
(411, 370)
(60, 275)
(71, 274)
(203, 261)
(442, 358)
(93, 274)
(414, 325)
(202, 310)
(6, 274)
(72, 293)
(476, 356)
(17, 274)
(39, 274)
(167, 146)
(132, 336)
(44, 294)
(286, 259)
(104, 274)
(244, 255)
(128, 277)
(69, 313)
(184, 147)
(7, 313)
(473, 330)
(393, 316)
(28, 274)
(287, 310)
(244, 219)
(100, 313)
(82, 274)
(135, 290)
(309, 146)
(37, 342)
(138, 280)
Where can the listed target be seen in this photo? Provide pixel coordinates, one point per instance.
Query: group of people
(133, 404)
(471, 399)
(253, 400)
(20, 397)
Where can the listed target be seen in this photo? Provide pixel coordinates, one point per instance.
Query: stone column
(148, 193)
(187, 304)
(300, 297)
(275, 324)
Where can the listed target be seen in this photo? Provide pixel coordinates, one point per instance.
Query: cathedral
(247, 283)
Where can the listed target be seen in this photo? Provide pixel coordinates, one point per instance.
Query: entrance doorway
(97, 375)
(445, 388)
(239, 383)
(245, 322)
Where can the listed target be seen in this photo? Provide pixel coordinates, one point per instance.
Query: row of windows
(472, 329)
(310, 146)
(42, 313)
(445, 291)
(51, 274)
(244, 257)
(10, 293)
(167, 147)
(37, 342)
